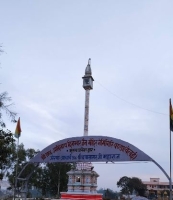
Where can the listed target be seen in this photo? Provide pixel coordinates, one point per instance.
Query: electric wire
(118, 97)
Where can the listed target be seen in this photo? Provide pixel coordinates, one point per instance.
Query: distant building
(156, 187)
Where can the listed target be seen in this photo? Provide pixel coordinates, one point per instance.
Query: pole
(170, 181)
(58, 182)
(86, 116)
(15, 186)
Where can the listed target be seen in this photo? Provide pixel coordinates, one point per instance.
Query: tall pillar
(86, 116)
(87, 85)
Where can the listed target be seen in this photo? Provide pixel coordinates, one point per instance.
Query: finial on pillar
(89, 61)
(88, 71)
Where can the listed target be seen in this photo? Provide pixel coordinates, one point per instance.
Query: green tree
(49, 179)
(24, 155)
(55, 178)
(6, 142)
(6, 137)
(124, 184)
(138, 186)
(128, 185)
(5, 103)
(108, 193)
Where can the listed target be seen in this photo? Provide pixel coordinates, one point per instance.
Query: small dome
(88, 71)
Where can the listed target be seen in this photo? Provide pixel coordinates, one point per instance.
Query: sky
(47, 45)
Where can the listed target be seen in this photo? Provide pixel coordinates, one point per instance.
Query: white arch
(92, 149)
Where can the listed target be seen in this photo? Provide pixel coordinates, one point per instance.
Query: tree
(49, 179)
(138, 186)
(4, 106)
(55, 178)
(5, 103)
(124, 184)
(108, 193)
(6, 137)
(24, 155)
(128, 185)
(6, 142)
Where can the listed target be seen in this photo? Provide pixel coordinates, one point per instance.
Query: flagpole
(170, 170)
(17, 135)
(16, 167)
(170, 180)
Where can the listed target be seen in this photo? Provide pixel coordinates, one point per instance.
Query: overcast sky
(47, 45)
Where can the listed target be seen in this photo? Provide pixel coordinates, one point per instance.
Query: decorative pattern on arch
(90, 149)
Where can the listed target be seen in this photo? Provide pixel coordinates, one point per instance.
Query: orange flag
(18, 129)
(171, 116)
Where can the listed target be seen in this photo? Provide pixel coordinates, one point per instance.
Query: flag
(18, 129)
(171, 116)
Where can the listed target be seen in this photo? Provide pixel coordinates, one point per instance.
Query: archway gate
(91, 149)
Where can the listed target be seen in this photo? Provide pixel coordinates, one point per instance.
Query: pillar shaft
(86, 115)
